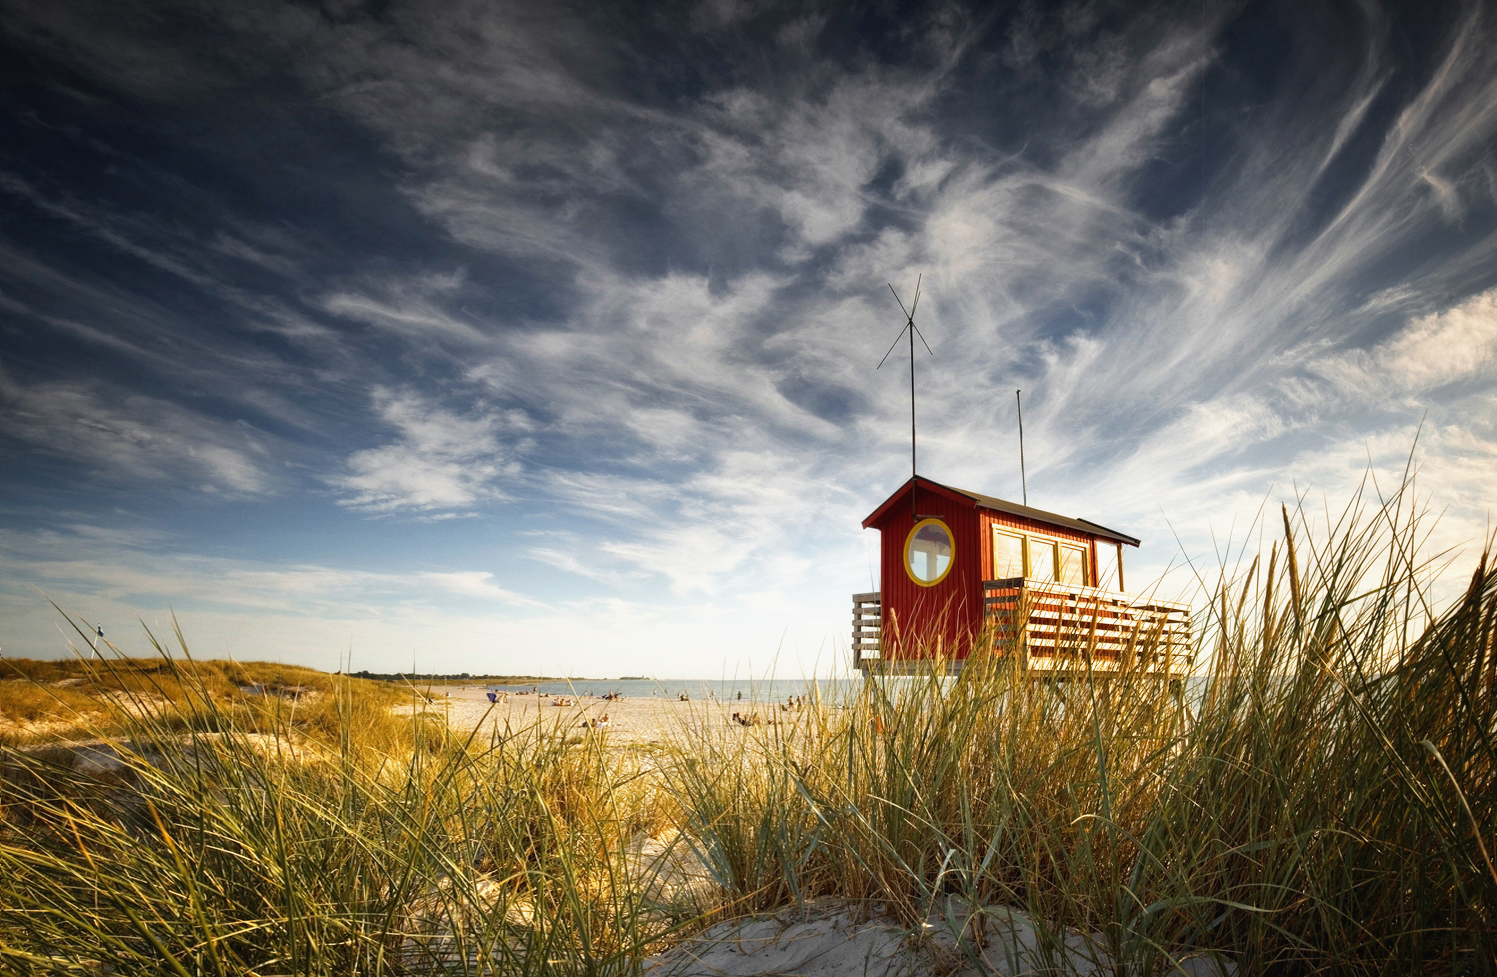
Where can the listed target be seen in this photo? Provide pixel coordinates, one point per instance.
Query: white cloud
(128, 435)
(444, 620)
(655, 370)
(442, 461)
(122, 566)
(1456, 346)
(579, 555)
(717, 423)
(809, 158)
(415, 319)
(476, 583)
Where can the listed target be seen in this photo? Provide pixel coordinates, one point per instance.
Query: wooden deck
(1054, 629)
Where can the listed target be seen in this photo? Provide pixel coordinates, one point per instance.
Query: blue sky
(541, 338)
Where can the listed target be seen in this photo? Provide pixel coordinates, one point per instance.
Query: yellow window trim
(1081, 551)
(905, 553)
(1031, 542)
(1014, 534)
(1054, 555)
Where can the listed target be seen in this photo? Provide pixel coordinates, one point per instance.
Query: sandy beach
(630, 720)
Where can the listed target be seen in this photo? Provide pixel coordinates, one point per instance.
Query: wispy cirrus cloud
(1042, 270)
(124, 435)
(1454, 346)
(640, 284)
(411, 309)
(123, 565)
(441, 463)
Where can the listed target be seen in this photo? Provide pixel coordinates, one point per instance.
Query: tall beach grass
(1321, 801)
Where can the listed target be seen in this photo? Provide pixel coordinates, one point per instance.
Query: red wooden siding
(916, 619)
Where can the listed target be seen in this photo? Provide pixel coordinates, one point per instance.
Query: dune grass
(1320, 801)
(1323, 801)
(48, 700)
(218, 847)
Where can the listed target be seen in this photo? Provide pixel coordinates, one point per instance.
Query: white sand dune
(835, 939)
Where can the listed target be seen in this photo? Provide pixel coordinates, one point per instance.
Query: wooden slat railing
(1065, 626)
(867, 626)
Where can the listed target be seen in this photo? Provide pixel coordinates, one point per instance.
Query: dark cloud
(613, 276)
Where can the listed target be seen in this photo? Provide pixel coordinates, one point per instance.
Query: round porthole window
(928, 552)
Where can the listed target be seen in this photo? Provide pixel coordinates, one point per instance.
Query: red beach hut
(963, 572)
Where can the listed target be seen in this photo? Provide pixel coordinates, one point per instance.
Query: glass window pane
(929, 552)
(1073, 566)
(1107, 565)
(1008, 555)
(1041, 559)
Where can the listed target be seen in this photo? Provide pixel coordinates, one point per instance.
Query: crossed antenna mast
(913, 331)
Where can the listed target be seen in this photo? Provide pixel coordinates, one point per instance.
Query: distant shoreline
(454, 678)
(469, 678)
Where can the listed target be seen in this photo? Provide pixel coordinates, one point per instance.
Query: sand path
(636, 719)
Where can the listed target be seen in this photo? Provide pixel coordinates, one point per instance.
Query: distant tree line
(458, 677)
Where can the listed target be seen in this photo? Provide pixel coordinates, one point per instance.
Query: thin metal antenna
(1023, 478)
(913, 330)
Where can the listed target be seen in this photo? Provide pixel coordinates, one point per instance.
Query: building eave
(980, 500)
